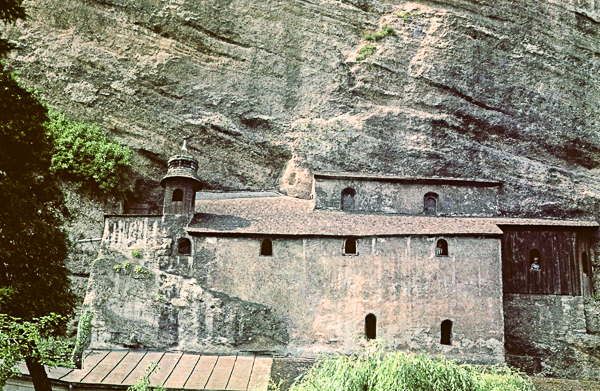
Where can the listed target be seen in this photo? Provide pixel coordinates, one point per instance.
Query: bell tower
(181, 183)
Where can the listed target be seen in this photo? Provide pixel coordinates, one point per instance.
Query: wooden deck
(114, 368)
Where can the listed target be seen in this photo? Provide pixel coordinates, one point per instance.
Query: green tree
(84, 155)
(33, 246)
(10, 12)
(20, 340)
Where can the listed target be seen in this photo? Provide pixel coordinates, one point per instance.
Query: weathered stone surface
(405, 196)
(546, 335)
(272, 91)
(323, 295)
(592, 317)
(138, 305)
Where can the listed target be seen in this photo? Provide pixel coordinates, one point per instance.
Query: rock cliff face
(272, 91)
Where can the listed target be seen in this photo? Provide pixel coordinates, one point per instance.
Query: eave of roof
(507, 221)
(402, 179)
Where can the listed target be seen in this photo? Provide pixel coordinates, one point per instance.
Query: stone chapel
(425, 264)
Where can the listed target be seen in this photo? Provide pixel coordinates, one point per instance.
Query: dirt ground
(285, 371)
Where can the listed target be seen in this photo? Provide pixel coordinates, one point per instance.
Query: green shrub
(136, 253)
(375, 370)
(139, 269)
(84, 155)
(378, 36)
(365, 52)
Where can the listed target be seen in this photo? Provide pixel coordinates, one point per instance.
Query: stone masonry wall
(547, 335)
(407, 198)
(138, 305)
(324, 296)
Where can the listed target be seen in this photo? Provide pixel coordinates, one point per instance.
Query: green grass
(376, 370)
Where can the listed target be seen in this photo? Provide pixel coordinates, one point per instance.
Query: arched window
(446, 332)
(350, 246)
(371, 326)
(535, 261)
(348, 199)
(441, 248)
(266, 248)
(430, 204)
(184, 246)
(584, 263)
(178, 195)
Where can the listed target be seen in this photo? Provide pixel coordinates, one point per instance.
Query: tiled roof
(291, 216)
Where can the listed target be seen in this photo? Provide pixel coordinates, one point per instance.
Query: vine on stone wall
(84, 329)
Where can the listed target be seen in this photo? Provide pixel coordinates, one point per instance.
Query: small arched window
(441, 248)
(266, 248)
(348, 199)
(177, 195)
(446, 332)
(430, 204)
(371, 326)
(350, 247)
(535, 261)
(184, 246)
(584, 262)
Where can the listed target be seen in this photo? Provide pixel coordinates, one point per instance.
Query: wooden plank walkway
(175, 371)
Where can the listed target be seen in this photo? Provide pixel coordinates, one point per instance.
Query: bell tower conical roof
(183, 165)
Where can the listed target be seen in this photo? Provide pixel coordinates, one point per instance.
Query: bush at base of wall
(375, 369)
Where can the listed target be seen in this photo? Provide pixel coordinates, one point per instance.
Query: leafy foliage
(378, 36)
(83, 154)
(20, 339)
(143, 383)
(35, 290)
(84, 329)
(375, 370)
(33, 246)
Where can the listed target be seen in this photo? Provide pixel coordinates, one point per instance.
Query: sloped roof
(119, 369)
(271, 214)
(290, 216)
